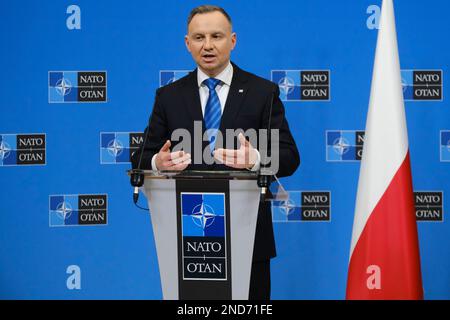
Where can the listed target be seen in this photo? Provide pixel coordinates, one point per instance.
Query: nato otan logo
(76, 86)
(422, 85)
(22, 149)
(78, 210)
(117, 147)
(429, 205)
(344, 145)
(204, 236)
(303, 206)
(445, 146)
(168, 76)
(302, 85)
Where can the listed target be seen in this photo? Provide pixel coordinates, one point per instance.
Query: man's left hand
(243, 158)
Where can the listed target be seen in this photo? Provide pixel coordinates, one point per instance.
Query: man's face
(210, 41)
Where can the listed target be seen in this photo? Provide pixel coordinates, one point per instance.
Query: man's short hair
(207, 9)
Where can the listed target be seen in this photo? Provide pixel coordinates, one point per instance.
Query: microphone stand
(264, 177)
(137, 175)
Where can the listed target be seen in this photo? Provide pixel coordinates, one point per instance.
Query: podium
(204, 226)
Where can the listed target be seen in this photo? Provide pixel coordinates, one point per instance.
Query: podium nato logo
(302, 85)
(445, 145)
(344, 145)
(422, 85)
(78, 210)
(117, 147)
(303, 206)
(76, 86)
(168, 76)
(22, 149)
(204, 236)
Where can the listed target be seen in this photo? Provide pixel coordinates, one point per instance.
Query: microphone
(264, 177)
(137, 175)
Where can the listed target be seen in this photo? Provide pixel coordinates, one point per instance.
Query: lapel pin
(241, 90)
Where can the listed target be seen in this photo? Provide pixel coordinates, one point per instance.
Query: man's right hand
(176, 161)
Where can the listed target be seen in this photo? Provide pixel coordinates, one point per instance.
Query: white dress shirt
(222, 89)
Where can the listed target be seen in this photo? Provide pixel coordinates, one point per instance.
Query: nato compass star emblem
(4, 150)
(404, 85)
(288, 207)
(341, 146)
(286, 85)
(115, 147)
(63, 86)
(64, 210)
(203, 215)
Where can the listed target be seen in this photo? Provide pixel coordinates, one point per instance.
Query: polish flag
(384, 254)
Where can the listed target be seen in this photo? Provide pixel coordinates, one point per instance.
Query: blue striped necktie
(213, 112)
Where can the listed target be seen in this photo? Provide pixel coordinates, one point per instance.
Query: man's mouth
(208, 57)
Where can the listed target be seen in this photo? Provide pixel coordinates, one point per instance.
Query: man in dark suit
(220, 96)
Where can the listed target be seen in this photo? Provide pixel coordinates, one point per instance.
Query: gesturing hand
(243, 158)
(166, 160)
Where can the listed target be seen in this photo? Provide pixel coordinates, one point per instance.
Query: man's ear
(186, 42)
(233, 40)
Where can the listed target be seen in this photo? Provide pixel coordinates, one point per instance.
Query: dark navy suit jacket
(177, 105)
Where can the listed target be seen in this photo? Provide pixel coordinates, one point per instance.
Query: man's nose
(208, 43)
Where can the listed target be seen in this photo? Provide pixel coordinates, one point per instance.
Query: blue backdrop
(130, 49)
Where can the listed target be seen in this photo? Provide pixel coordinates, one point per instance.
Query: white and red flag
(384, 255)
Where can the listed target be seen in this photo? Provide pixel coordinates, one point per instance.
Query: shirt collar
(225, 76)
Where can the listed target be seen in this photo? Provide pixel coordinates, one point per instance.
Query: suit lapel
(236, 95)
(192, 97)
